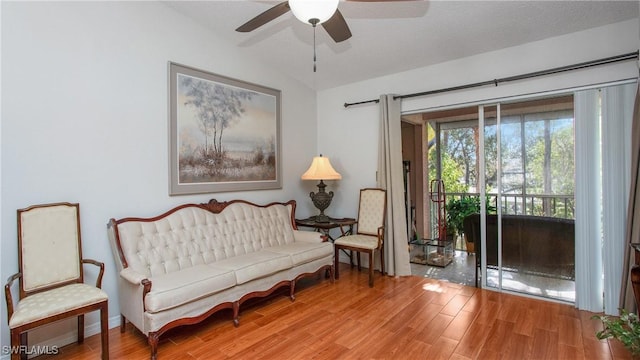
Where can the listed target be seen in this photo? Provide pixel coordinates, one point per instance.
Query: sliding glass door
(542, 186)
(529, 199)
(515, 161)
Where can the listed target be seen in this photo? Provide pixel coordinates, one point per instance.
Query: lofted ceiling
(390, 37)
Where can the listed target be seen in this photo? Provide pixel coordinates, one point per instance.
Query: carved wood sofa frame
(306, 239)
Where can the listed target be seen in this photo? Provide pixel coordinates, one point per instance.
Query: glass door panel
(529, 172)
(488, 119)
(513, 164)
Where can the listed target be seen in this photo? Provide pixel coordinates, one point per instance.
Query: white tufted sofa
(182, 266)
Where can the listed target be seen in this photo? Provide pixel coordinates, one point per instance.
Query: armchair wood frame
(374, 233)
(98, 300)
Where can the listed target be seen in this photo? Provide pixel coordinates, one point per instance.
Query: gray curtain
(389, 177)
(627, 299)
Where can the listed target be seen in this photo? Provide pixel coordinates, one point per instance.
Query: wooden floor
(400, 318)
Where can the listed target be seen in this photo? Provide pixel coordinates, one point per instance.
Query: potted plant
(625, 328)
(458, 209)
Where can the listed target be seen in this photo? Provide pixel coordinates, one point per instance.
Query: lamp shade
(321, 169)
(305, 10)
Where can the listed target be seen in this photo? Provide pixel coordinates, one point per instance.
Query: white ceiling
(390, 37)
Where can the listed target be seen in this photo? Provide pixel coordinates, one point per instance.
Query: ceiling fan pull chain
(314, 22)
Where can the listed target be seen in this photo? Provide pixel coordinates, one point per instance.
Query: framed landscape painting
(224, 133)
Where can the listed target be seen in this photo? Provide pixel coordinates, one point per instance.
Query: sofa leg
(236, 313)
(292, 290)
(332, 273)
(153, 340)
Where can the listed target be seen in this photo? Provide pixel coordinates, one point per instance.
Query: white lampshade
(306, 10)
(321, 169)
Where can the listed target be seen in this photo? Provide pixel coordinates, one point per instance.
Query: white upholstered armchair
(369, 236)
(51, 278)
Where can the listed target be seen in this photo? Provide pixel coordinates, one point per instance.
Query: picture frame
(224, 133)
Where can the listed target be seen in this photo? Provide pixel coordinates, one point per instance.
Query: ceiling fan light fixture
(306, 10)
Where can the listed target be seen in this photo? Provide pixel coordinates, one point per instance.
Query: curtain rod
(583, 65)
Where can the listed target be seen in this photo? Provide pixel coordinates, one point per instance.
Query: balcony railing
(560, 206)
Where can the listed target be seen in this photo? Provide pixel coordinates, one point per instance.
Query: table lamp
(321, 169)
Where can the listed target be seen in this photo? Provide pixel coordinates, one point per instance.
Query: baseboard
(69, 337)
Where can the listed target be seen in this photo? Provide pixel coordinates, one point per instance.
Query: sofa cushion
(302, 253)
(180, 287)
(254, 265)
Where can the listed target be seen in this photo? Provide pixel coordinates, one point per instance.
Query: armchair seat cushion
(302, 253)
(359, 241)
(56, 301)
(254, 265)
(180, 287)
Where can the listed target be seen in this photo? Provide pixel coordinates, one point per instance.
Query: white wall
(351, 134)
(84, 117)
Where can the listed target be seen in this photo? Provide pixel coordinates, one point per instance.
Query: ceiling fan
(314, 12)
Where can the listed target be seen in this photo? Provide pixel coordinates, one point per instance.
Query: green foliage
(560, 159)
(451, 173)
(625, 328)
(458, 209)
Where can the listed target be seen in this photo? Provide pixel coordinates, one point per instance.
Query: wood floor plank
(517, 346)
(372, 344)
(597, 349)
(618, 351)
(459, 325)
(406, 314)
(455, 356)
(571, 352)
(455, 304)
(569, 331)
(473, 340)
(510, 308)
(546, 315)
(415, 350)
(398, 344)
(356, 337)
(399, 318)
(434, 329)
(499, 332)
(545, 344)
(329, 351)
(443, 348)
(488, 312)
(525, 322)
(424, 316)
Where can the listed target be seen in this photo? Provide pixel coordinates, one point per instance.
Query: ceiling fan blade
(337, 27)
(265, 17)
